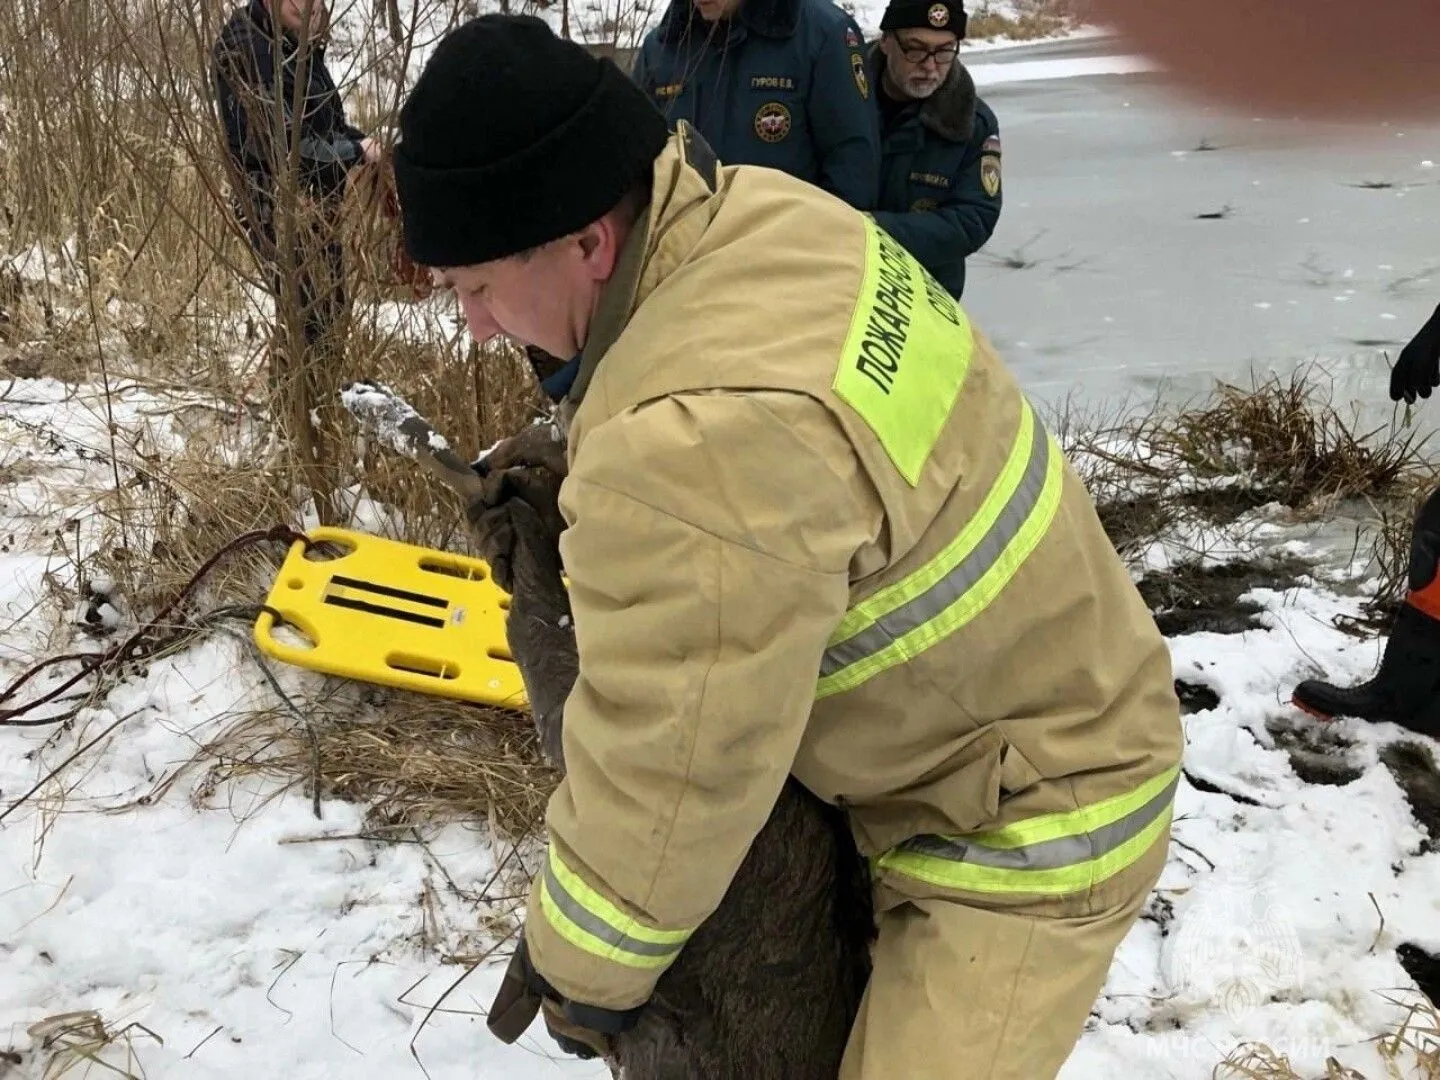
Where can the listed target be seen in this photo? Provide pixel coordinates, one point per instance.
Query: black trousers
(311, 290)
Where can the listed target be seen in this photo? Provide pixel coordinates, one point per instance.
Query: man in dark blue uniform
(940, 175)
(770, 82)
(267, 51)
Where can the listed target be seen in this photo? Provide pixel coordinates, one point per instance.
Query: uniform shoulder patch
(862, 83)
(991, 145)
(852, 37)
(990, 174)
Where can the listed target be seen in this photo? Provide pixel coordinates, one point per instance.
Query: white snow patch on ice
(1039, 70)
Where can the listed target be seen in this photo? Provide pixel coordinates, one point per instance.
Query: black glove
(1417, 370)
(582, 1030)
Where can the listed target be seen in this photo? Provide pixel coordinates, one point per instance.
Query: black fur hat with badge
(925, 15)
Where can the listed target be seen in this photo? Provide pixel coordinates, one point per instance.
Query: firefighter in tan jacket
(814, 528)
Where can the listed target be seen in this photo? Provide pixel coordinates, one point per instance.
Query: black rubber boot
(1406, 689)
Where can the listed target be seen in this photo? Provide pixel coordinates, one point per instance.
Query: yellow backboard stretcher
(395, 614)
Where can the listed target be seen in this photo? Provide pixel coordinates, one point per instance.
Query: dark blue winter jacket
(244, 70)
(782, 84)
(940, 179)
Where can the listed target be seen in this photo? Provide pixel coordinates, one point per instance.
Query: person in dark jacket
(267, 50)
(770, 82)
(1406, 689)
(940, 143)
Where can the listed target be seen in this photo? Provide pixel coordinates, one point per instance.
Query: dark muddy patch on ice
(1134, 523)
(1195, 697)
(1317, 752)
(1190, 597)
(1225, 505)
(1424, 968)
(1160, 911)
(1413, 766)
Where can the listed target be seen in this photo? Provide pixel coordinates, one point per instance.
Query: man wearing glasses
(940, 173)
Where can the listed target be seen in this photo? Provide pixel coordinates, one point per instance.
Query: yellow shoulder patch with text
(906, 355)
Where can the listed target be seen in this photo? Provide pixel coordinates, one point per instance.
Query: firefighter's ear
(600, 243)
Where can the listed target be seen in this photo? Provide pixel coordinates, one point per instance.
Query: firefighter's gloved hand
(516, 1002)
(1417, 371)
(572, 1038)
(579, 1029)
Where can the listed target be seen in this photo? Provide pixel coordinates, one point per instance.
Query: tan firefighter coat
(814, 527)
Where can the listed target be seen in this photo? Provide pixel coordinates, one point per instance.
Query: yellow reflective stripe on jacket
(906, 355)
(1057, 853)
(904, 619)
(590, 922)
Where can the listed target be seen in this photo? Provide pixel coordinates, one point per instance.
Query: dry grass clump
(1287, 444)
(1256, 1061)
(159, 535)
(74, 1043)
(1411, 1051)
(1280, 440)
(120, 251)
(411, 759)
(1030, 19)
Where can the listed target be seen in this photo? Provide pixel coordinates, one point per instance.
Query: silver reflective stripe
(588, 921)
(1047, 854)
(950, 588)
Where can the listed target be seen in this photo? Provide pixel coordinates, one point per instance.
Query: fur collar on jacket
(950, 111)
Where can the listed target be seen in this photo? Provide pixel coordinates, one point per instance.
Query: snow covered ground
(229, 933)
(253, 938)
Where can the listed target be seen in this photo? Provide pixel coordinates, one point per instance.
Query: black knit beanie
(513, 137)
(925, 15)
